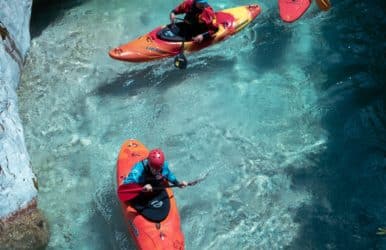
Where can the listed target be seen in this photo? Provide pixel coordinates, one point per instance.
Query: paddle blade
(128, 192)
(180, 61)
(323, 4)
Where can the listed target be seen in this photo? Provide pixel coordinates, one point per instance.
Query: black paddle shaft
(191, 183)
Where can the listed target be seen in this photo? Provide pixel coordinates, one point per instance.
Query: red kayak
(165, 42)
(153, 221)
(292, 10)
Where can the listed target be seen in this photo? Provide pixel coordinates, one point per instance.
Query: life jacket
(150, 178)
(192, 16)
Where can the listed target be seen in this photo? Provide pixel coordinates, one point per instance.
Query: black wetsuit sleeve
(206, 35)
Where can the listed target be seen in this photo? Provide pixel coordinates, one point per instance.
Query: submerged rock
(25, 229)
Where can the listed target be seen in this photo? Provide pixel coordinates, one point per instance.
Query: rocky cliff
(21, 224)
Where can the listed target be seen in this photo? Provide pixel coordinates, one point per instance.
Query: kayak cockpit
(175, 32)
(154, 207)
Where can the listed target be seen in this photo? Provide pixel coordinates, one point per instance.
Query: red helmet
(156, 158)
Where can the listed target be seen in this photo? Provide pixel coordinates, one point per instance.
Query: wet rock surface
(25, 229)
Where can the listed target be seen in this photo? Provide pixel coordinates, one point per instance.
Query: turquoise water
(272, 114)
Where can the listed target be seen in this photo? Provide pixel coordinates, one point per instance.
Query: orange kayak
(162, 42)
(149, 229)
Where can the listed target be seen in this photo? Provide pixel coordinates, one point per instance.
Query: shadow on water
(108, 223)
(348, 182)
(45, 12)
(132, 82)
(272, 40)
(127, 82)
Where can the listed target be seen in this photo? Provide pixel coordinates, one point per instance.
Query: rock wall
(21, 224)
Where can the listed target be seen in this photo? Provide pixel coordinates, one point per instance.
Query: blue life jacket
(141, 174)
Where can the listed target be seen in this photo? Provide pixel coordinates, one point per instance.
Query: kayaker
(153, 171)
(200, 19)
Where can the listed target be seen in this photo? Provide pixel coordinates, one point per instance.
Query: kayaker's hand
(172, 17)
(182, 184)
(198, 38)
(147, 188)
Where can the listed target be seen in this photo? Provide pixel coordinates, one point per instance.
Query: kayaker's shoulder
(166, 164)
(140, 165)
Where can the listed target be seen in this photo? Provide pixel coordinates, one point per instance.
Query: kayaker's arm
(172, 16)
(201, 37)
(179, 184)
(206, 35)
(135, 174)
(208, 18)
(171, 177)
(184, 7)
(180, 9)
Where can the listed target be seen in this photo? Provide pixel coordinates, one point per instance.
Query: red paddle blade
(129, 191)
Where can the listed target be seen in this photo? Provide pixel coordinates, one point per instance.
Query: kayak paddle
(129, 191)
(180, 60)
(323, 4)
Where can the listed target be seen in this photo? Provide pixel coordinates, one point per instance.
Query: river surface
(287, 119)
